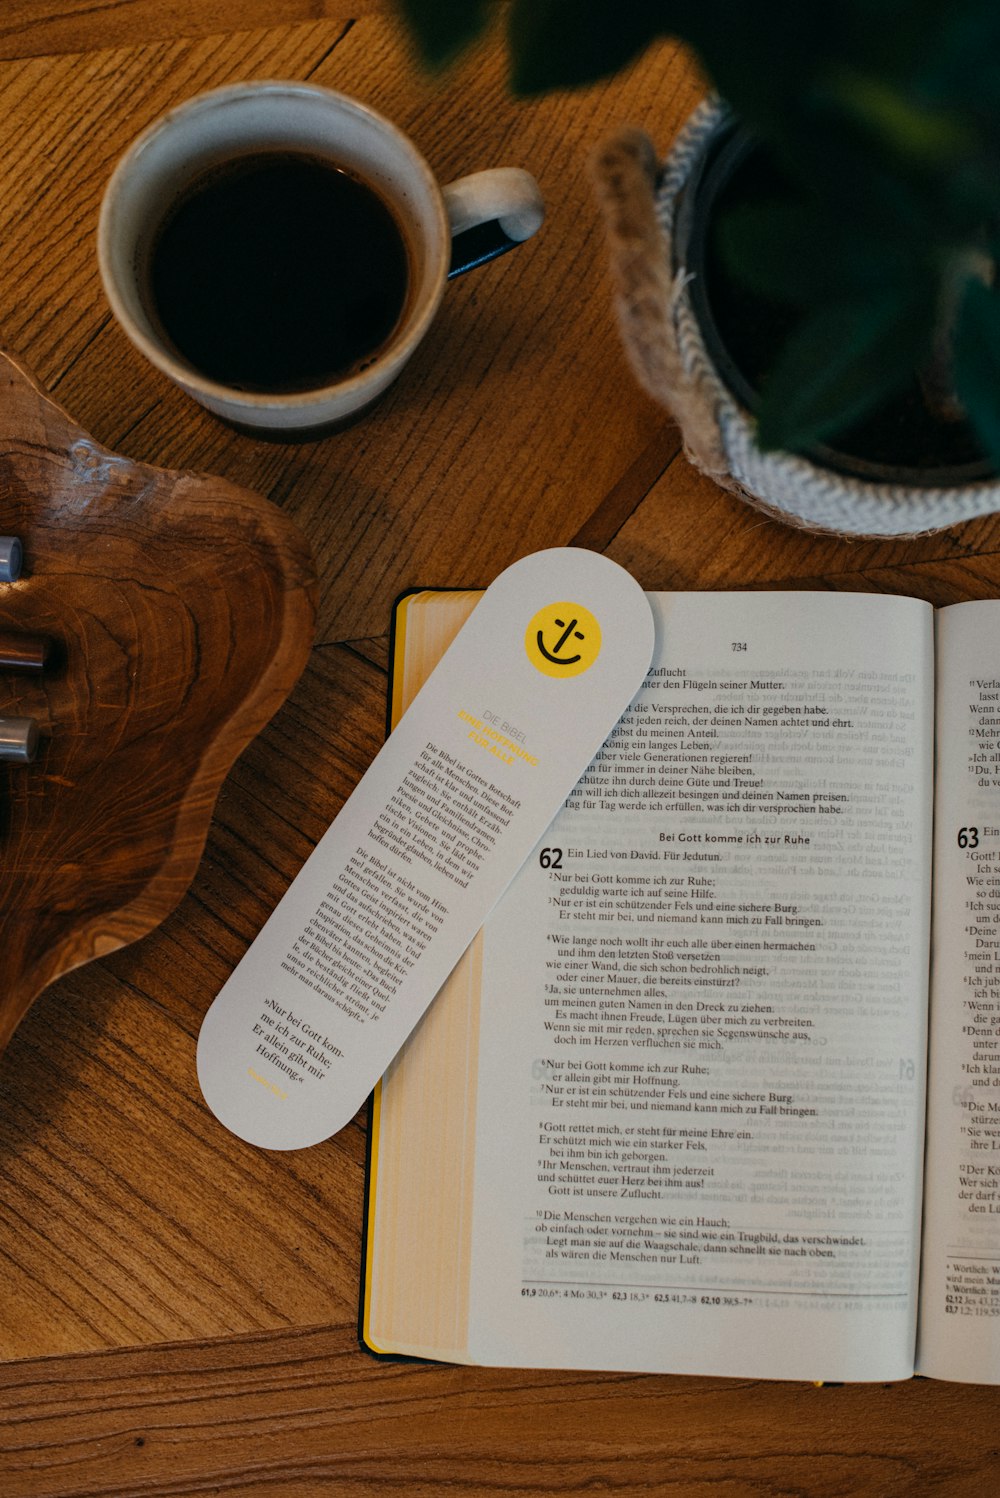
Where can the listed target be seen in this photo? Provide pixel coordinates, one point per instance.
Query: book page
(703, 1022)
(960, 1288)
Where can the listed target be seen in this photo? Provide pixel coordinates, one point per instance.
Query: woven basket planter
(667, 349)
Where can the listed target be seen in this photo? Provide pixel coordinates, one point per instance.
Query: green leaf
(797, 254)
(977, 362)
(567, 43)
(910, 126)
(444, 28)
(840, 364)
(762, 57)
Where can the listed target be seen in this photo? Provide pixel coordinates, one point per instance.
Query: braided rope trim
(785, 484)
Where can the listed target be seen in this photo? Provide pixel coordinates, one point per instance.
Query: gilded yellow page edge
(424, 625)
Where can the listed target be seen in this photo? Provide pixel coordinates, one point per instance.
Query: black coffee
(278, 272)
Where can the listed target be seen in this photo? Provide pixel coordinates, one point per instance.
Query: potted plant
(808, 281)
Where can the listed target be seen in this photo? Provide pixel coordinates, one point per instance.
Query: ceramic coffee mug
(443, 231)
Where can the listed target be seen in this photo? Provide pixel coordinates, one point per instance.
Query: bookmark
(443, 819)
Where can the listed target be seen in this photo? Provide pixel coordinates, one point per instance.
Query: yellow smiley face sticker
(563, 639)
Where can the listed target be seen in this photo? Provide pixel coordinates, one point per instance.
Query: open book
(668, 1114)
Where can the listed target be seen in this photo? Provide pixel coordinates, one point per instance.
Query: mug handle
(490, 213)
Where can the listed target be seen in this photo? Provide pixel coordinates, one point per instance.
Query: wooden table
(177, 1310)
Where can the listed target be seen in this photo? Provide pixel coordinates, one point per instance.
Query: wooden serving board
(181, 611)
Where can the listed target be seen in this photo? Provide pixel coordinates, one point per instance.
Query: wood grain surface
(177, 611)
(37, 28)
(177, 1310)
